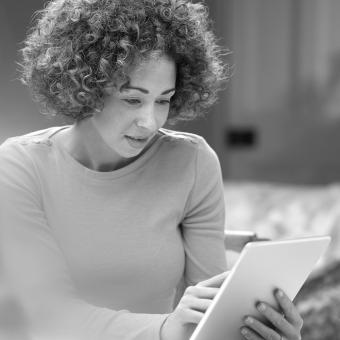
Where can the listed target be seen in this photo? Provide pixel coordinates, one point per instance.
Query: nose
(146, 119)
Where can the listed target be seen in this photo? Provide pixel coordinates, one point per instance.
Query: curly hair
(78, 48)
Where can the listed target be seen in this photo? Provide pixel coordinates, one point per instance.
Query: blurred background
(276, 127)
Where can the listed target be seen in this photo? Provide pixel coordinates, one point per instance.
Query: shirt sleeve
(204, 219)
(37, 273)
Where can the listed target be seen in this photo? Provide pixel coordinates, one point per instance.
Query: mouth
(137, 142)
(138, 138)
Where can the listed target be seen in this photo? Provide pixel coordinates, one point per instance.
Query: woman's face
(137, 109)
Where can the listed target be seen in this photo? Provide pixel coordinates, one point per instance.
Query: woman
(101, 219)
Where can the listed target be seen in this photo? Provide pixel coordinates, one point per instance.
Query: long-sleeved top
(99, 255)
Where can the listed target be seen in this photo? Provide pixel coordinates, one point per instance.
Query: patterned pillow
(319, 304)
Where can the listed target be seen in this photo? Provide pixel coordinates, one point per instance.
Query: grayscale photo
(169, 170)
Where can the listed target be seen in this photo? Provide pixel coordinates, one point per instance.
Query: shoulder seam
(195, 139)
(35, 137)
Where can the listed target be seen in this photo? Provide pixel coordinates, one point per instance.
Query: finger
(288, 308)
(214, 281)
(191, 316)
(249, 334)
(278, 320)
(200, 305)
(261, 329)
(202, 292)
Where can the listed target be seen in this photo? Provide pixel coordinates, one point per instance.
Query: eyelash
(132, 101)
(164, 102)
(137, 101)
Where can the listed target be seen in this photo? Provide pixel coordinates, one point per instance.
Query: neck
(84, 144)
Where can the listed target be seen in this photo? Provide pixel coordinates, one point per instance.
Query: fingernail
(279, 293)
(249, 320)
(244, 331)
(261, 307)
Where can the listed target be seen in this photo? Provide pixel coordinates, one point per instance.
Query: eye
(163, 102)
(132, 101)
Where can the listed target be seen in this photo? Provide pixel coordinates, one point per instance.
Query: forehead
(158, 73)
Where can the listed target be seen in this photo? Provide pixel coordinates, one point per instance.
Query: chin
(129, 153)
(132, 154)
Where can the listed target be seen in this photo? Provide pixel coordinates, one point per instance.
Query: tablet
(261, 267)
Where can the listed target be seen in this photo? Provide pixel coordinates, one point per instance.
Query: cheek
(162, 117)
(113, 122)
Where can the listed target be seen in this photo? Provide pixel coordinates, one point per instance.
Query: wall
(286, 88)
(18, 114)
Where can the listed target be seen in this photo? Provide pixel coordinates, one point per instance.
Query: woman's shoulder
(188, 143)
(38, 137)
(174, 135)
(23, 148)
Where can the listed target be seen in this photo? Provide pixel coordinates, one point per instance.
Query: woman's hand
(195, 301)
(287, 322)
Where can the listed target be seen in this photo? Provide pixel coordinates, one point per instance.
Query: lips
(139, 138)
(137, 142)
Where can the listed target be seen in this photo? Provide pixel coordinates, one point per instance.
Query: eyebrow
(129, 87)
